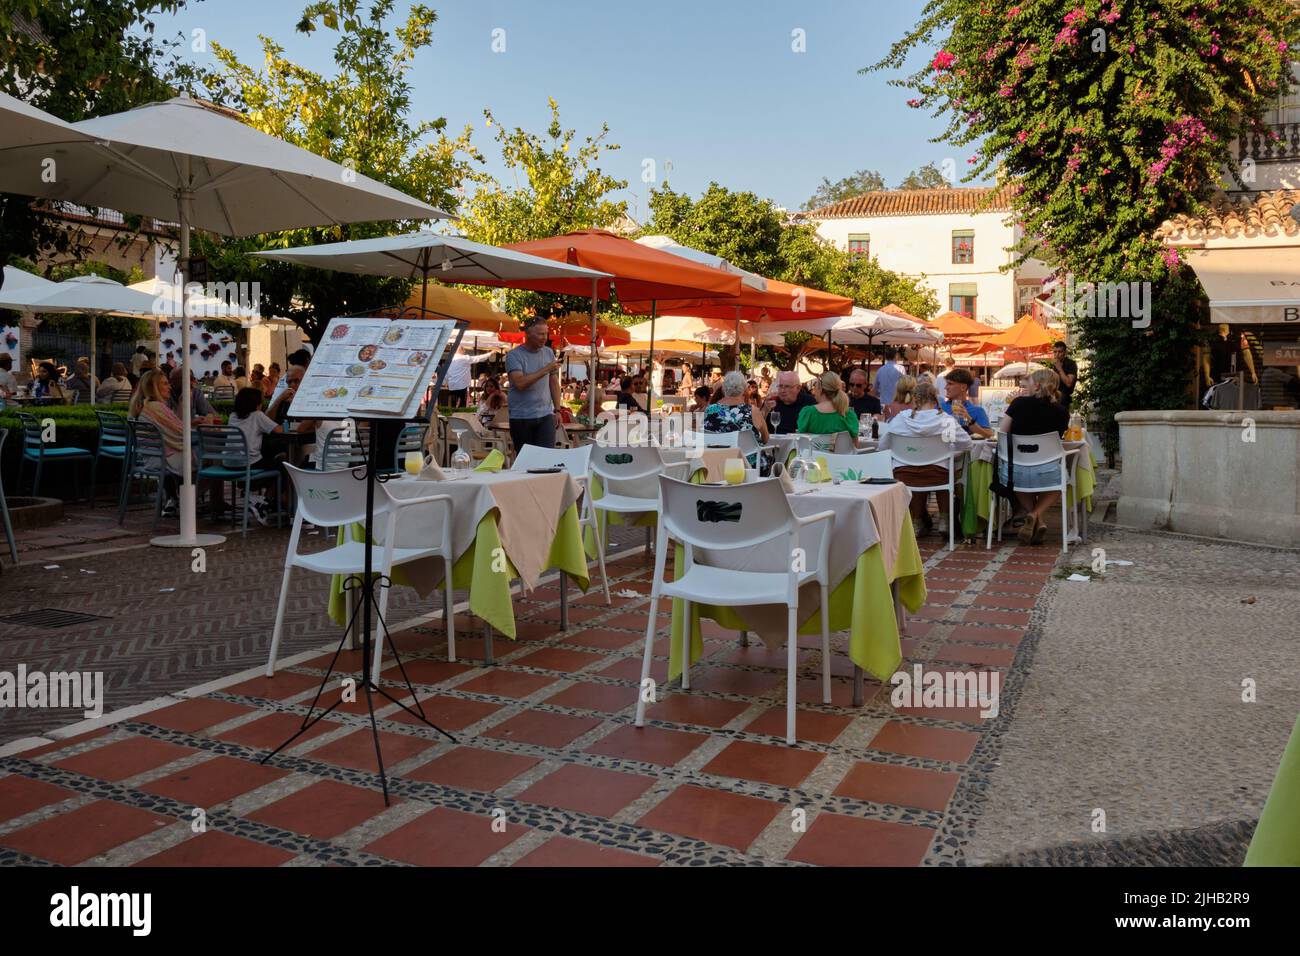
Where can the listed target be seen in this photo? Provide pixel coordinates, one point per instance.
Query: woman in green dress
(831, 413)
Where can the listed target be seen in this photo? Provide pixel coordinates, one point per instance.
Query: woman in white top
(249, 418)
(925, 420)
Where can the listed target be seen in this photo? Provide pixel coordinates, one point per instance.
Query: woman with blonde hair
(925, 419)
(1037, 411)
(831, 412)
(902, 397)
(150, 402)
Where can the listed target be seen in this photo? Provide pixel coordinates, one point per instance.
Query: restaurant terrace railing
(1271, 143)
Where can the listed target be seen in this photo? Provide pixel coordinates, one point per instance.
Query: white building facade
(958, 242)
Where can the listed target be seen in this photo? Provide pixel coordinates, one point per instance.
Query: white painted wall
(921, 246)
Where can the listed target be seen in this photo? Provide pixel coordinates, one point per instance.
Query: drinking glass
(774, 419)
(461, 460)
(414, 462)
(733, 469)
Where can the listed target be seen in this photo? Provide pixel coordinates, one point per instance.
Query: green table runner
(489, 590)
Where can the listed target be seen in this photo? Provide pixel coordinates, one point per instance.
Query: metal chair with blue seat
(754, 517)
(411, 439)
(4, 507)
(146, 458)
(37, 451)
(223, 456)
(112, 445)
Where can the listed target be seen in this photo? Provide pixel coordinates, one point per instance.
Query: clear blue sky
(711, 86)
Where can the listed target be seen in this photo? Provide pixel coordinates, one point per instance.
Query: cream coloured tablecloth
(865, 515)
(529, 508)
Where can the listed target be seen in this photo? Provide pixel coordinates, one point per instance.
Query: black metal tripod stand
(367, 584)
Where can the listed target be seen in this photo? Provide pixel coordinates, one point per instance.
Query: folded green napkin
(493, 461)
(823, 472)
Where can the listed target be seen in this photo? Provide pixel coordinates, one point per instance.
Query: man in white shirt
(8, 384)
(948, 365)
(138, 360)
(226, 377)
(459, 374)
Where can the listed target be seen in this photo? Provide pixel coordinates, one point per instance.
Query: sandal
(1026, 533)
(1040, 533)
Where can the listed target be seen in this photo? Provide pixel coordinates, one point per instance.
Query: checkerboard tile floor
(547, 768)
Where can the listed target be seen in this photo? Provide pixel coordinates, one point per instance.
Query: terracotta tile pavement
(547, 768)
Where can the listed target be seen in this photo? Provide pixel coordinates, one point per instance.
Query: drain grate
(51, 617)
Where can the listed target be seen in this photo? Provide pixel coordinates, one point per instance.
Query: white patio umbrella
(180, 160)
(670, 245)
(425, 254)
(90, 295)
(449, 258)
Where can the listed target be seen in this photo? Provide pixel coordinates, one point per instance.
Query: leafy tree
(557, 189)
(750, 233)
(78, 59)
(927, 177)
(1109, 117)
(855, 184)
(360, 118)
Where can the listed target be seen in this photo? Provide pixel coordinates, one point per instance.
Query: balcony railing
(1281, 146)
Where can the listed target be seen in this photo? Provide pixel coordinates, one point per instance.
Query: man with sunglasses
(860, 399)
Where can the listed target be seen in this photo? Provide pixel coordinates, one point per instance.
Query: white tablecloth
(865, 515)
(529, 508)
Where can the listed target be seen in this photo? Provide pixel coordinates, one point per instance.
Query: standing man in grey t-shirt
(534, 375)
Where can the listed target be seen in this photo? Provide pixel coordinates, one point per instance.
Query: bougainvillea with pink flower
(1110, 116)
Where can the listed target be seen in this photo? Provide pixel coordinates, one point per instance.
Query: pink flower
(914, 103)
(1281, 46)
(1171, 258)
(943, 60)
(1013, 12)
(1067, 37)
(1022, 136)
(1005, 91)
(1075, 16)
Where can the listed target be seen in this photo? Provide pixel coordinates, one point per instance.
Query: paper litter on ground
(1078, 577)
(628, 593)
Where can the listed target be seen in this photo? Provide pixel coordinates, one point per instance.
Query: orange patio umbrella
(1027, 336)
(574, 329)
(897, 310)
(954, 325)
(638, 273)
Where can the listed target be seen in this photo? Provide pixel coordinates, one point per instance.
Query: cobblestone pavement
(1116, 694)
(1131, 705)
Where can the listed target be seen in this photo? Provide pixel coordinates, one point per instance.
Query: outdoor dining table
(505, 525)
(875, 570)
(979, 474)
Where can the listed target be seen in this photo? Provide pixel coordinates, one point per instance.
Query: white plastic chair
(577, 462)
(627, 476)
(333, 498)
(872, 464)
(919, 452)
(1036, 450)
(742, 517)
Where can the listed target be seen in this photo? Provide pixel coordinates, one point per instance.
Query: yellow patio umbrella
(453, 303)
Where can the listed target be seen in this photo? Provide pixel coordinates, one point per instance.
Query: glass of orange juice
(414, 462)
(733, 469)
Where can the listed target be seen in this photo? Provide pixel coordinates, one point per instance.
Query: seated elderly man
(787, 398)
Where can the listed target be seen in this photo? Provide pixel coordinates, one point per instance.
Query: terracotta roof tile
(918, 202)
(1260, 215)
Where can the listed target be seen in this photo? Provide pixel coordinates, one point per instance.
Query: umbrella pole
(93, 363)
(188, 537)
(650, 361)
(591, 373)
(737, 358)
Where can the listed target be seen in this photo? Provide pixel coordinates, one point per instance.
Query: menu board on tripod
(371, 367)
